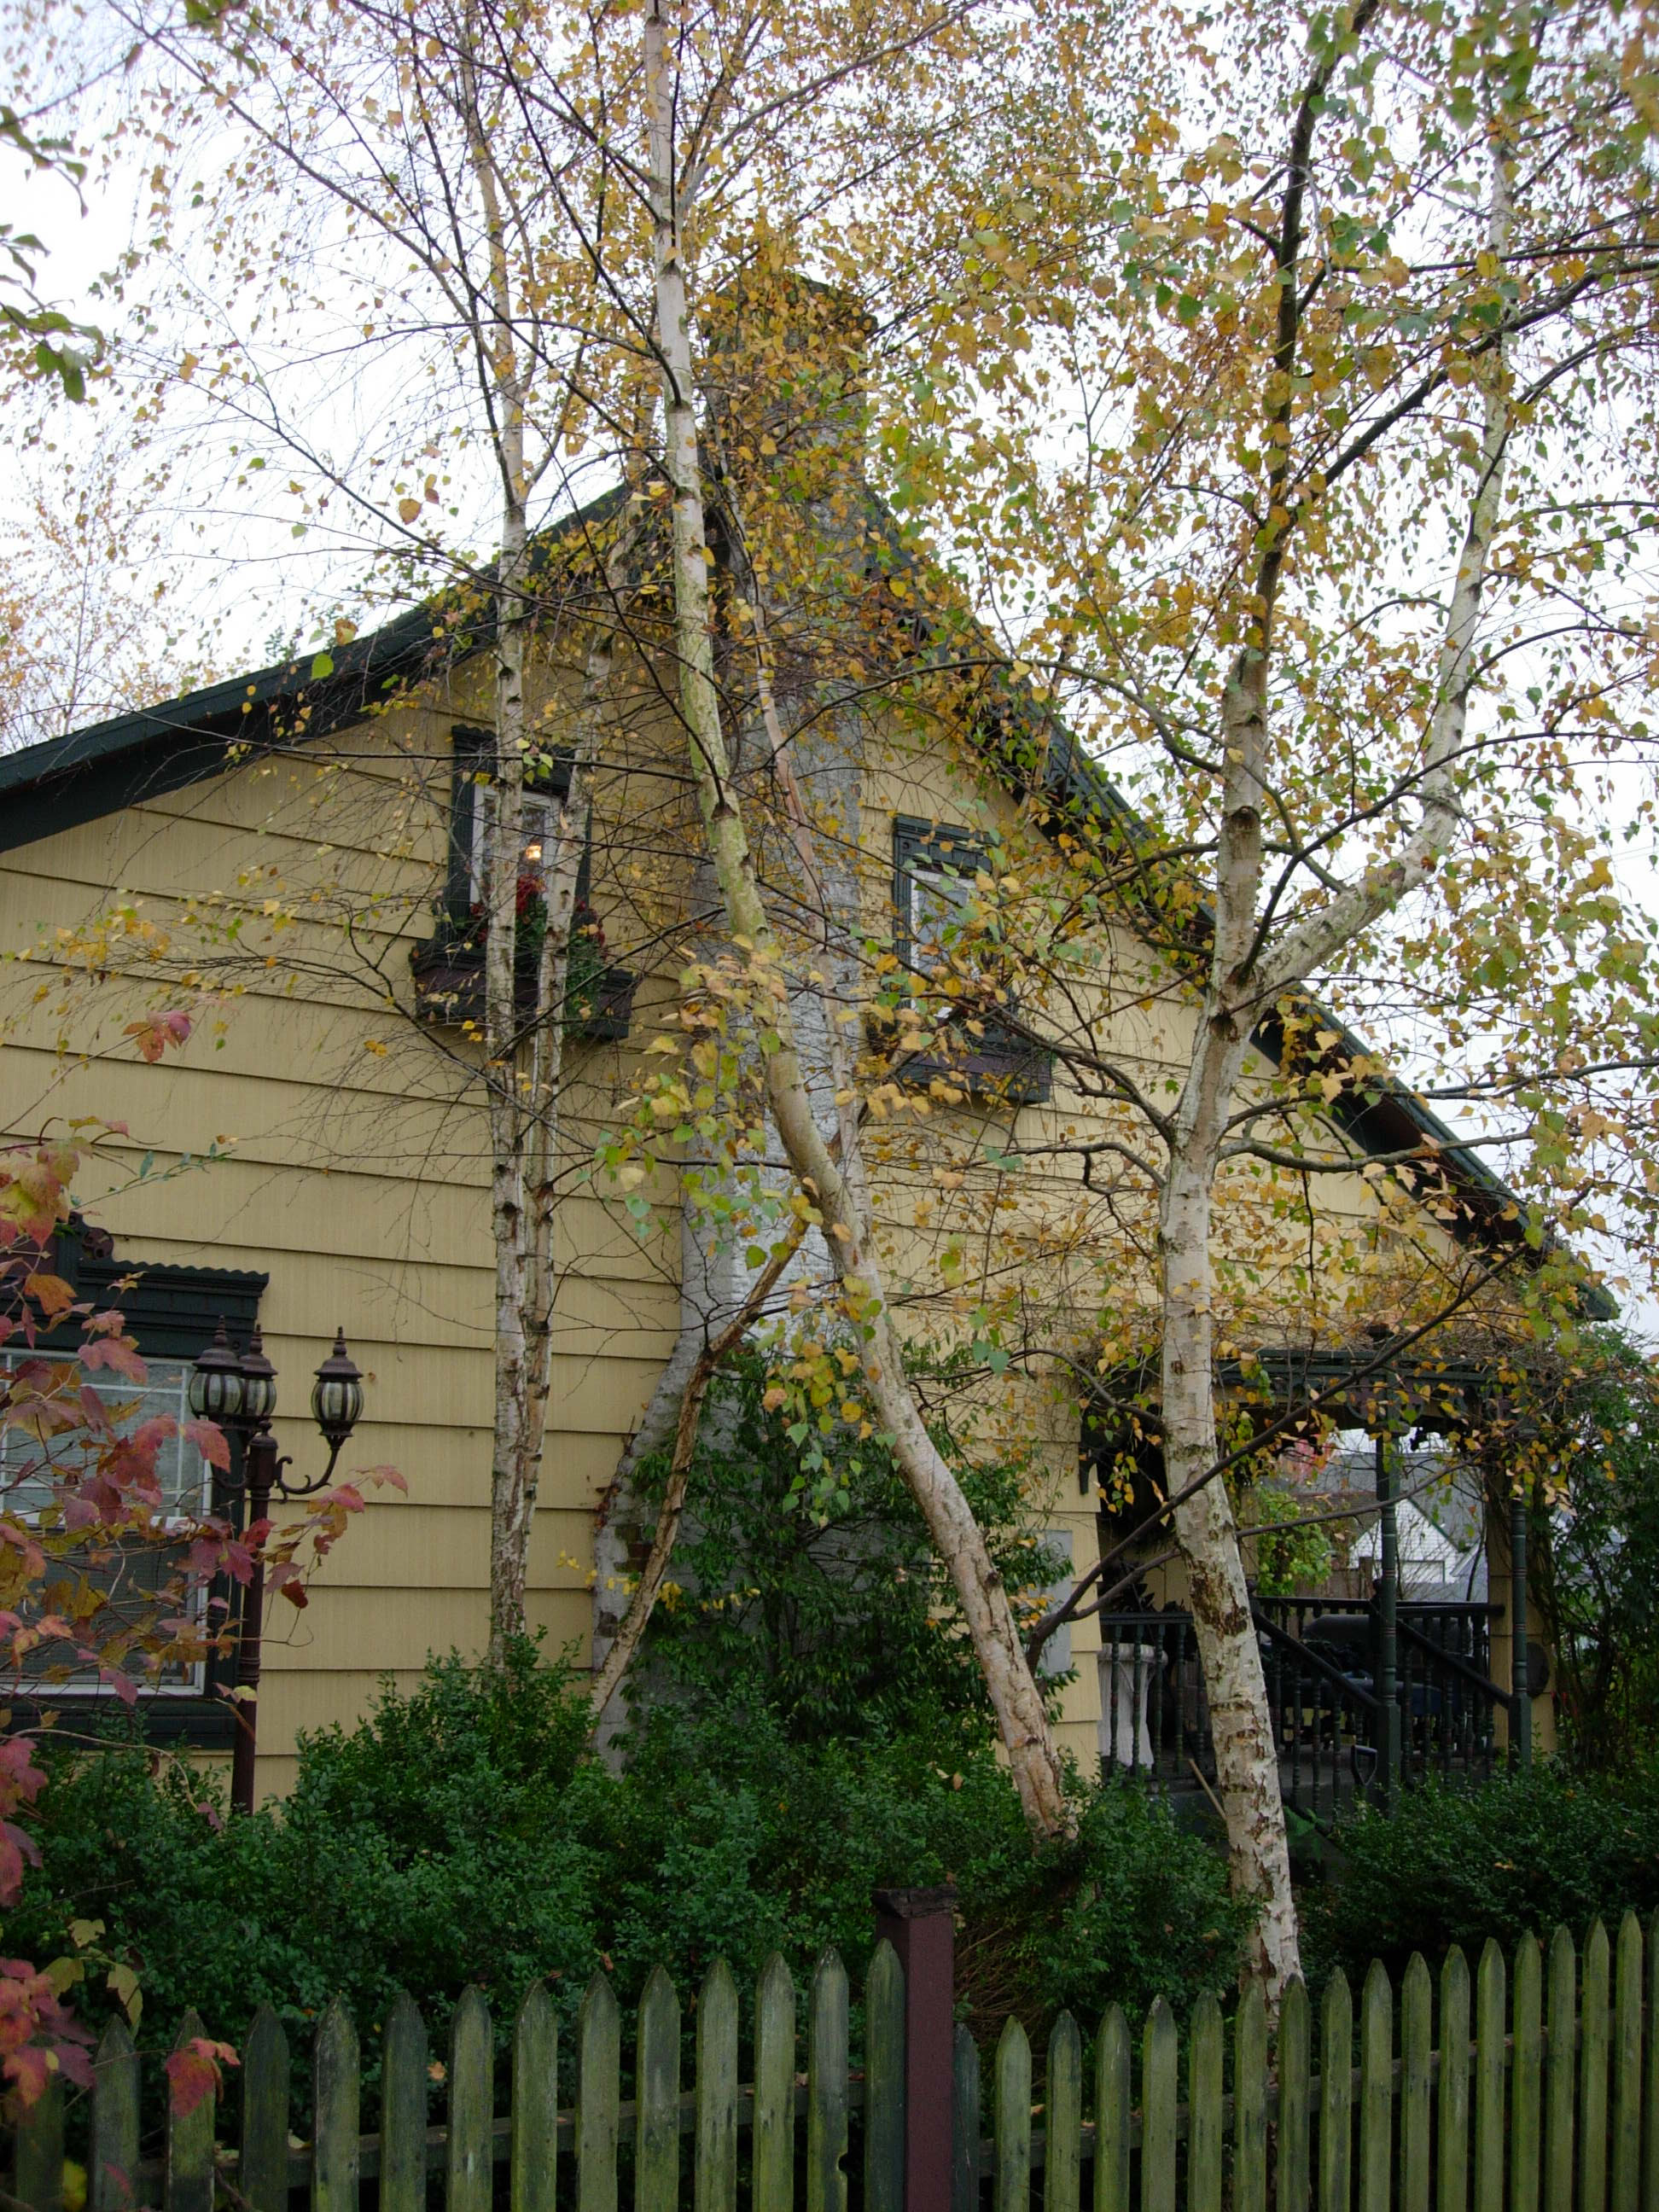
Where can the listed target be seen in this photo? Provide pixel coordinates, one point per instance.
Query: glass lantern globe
(337, 1395)
(215, 1380)
(258, 1383)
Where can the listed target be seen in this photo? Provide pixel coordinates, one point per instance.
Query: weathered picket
(1540, 2093)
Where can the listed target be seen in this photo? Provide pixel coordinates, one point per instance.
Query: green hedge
(460, 1835)
(1455, 1865)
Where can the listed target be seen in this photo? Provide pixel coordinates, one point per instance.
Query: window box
(999, 1066)
(449, 969)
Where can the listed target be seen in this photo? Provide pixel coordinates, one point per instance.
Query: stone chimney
(785, 373)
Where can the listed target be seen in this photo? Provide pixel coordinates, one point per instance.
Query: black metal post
(1520, 1685)
(1388, 1624)
(261, 1463)
(920, 1925)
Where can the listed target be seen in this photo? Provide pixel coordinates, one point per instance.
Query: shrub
(810, 1589)
(458, 1836)
(1455, 1865)
(1596, 1557)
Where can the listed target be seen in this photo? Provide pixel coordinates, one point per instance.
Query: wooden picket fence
(1540, 2093)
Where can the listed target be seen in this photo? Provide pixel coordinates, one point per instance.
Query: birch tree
(406, 151)
(841, 1205)
(1341, 575)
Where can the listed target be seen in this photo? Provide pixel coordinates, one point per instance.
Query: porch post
(1387, 1602)
(1520, 1683)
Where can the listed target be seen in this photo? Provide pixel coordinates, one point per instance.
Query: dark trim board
(129, 758)
(132, 758)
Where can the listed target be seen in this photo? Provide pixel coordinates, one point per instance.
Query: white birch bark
(956, 1538)
(524, 1062)
(1240, 1719)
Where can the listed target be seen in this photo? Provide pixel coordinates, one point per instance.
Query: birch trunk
(511, 1500)
(524, 1064)
(957, 1537)
(1240, 1718)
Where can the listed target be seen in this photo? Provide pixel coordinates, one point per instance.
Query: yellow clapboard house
(297, 853)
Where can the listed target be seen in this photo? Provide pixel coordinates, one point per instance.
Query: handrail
(1456, 1665)
(1300, 1651)
(1306, 1658)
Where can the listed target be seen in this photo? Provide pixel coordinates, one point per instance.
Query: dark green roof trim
(1383, 1117)
(129, 758)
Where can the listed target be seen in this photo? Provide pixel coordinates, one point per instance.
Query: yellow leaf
(409, 510)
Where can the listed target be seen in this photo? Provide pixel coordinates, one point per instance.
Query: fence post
(772, 2147)
(826, 2086)
(1387, 1598)
(883, 2083)
(964, 2168)
(1112, 2065)
(113, 2145)
(920, 1925)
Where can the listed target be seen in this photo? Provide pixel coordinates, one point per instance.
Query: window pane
(535, 826)
(27, 1464)
(939, 906)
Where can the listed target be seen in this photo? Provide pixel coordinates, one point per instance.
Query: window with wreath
(936, 869)
(448, 968)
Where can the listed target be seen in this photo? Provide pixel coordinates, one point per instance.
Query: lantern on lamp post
(237, 1391)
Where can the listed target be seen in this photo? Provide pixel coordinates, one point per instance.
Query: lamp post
(238, 1391)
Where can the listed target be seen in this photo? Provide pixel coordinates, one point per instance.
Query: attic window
(934, 873)
(544, 794)
(934, 868)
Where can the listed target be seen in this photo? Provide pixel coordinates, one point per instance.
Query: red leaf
(211, 1440)
(157, 1031)
(194, 2072)
(114, 1352)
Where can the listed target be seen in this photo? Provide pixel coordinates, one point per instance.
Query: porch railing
(1322, 1665)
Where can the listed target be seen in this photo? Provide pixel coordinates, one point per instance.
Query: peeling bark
(1024, 1725)
(1240, 986)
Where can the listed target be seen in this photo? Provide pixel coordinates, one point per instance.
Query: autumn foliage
(102, 1575)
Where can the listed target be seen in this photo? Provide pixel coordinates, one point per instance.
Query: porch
(1327, 1664)
(1371, 1690)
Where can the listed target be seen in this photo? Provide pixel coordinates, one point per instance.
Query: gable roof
(98, 769)
(128, 758)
